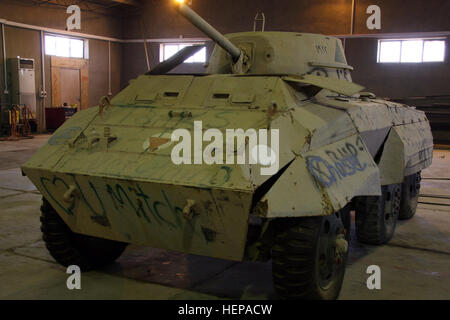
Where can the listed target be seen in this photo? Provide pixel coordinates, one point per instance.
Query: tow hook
(70, 194)
(188, 210)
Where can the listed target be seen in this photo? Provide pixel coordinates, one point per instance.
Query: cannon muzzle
(209, 30)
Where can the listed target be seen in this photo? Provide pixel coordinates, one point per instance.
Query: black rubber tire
(296, 258)
(410, 196)
(69, 248)
(376, 216)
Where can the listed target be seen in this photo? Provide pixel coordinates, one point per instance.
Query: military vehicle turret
(108, 175)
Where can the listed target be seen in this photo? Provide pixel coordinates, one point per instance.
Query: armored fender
(350, 147)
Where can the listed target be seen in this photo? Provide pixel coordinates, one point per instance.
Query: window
(64, 47)
(169, 49)
(411, 50)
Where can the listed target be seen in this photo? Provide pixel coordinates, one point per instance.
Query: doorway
(70, 87)
(70, 82)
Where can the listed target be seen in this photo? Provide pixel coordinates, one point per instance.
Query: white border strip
(180, 39)
(167, 40)
(57, 31)
(432, 34)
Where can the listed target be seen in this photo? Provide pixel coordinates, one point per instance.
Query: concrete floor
(414, 265)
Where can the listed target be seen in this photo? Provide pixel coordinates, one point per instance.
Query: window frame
(424, 40)
(85, 43)
(163, 44)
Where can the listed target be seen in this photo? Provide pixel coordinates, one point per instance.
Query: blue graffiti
(64, 136)
(343, 162)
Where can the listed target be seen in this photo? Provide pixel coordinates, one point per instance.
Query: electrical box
(22, 83)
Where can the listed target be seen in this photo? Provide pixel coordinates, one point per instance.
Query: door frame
(57, 63)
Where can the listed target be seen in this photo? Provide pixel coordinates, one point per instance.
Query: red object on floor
(54, 118)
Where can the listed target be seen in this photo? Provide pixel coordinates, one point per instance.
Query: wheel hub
(341, 248)
(333, 248)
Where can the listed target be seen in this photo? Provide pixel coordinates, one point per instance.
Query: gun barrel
(209, 30)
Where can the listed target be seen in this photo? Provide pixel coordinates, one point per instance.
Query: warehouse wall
(135, 64)
(397, 80)
(98, 69)
(317, 16)
(406, 79)
(405, 16)
(162, 21)
(26, 43)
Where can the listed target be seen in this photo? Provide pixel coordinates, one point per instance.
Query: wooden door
(70, 86)
(70, 76)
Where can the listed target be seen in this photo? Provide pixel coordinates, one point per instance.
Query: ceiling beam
(127, 2)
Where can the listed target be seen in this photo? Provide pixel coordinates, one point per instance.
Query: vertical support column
(40, 112)
(145, 46)
(4, 60)
(352, 21)
(109, 69)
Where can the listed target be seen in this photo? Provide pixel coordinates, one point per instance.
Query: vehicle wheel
(410, 196)
(70, 248)
(309, 256)
(376, 216)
